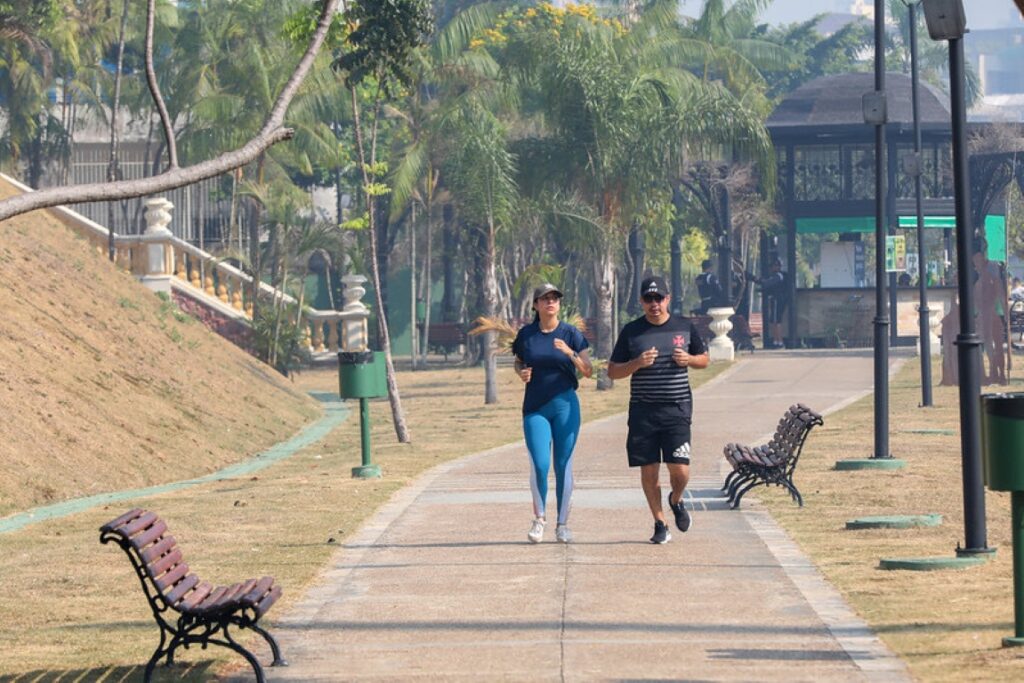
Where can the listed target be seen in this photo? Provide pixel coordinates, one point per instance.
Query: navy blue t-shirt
(553, 371)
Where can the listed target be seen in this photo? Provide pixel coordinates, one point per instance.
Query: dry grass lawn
(104, 386)
(947, 625)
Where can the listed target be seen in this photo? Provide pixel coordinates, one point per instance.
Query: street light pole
(877, 107)
(947, 21)
(922, 284)
(968, 344)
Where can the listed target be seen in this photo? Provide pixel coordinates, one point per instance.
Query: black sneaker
(679, 510)
(661, 534)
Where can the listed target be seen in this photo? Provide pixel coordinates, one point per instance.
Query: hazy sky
(980, 13)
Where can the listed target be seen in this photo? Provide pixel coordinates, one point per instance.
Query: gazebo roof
(835, 101)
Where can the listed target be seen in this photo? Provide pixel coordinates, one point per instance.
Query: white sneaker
(562, 534)
(536, 531)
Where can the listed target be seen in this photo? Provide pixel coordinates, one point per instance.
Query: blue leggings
(556, 425)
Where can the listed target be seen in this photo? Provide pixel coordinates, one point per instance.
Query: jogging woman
(548, 354)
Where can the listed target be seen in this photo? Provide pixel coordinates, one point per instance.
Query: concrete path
(442, 583)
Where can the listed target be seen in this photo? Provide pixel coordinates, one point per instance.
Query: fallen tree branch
(273, 131)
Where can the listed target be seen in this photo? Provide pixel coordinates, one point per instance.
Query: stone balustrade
(166, 263)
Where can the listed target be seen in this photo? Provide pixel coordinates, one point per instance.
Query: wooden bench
(773, 462)
(446, 337)
(188, 610)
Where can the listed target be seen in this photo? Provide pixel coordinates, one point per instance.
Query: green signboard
(995, 228)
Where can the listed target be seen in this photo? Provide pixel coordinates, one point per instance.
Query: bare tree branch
(273, 131)
(154, 89)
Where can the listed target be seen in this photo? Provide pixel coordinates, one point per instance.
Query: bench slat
(269, 599)
(162, 564)
(257, 592)
(144, 521)
(172, 577)
(184, 586)
(149, 535)
(154, 551)
(114, 523)
(195, 597)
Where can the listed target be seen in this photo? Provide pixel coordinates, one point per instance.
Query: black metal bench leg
(793, 491)
(739, 483)
(743, 492)
(274, 648)
(255, 663)
(728, 480)
(147, 676)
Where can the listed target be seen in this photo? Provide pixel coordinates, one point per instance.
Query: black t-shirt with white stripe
(663, 382)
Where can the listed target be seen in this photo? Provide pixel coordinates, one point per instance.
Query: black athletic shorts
(658, 432)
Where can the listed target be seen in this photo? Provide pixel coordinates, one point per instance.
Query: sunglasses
(653, 298)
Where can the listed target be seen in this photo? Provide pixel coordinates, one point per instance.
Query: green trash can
(1002, 434)
(361, 374)
(1002, 444)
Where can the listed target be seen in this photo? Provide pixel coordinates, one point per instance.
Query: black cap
(653, 285)
(546, 288)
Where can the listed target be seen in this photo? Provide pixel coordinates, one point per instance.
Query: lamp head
(945, 19)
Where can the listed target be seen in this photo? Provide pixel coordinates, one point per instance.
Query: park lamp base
(366, 472)
(974, 552)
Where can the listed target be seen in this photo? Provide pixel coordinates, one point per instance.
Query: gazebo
(825, 153)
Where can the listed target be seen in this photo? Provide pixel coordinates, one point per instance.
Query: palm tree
(722, 44)
(482, 170)
(445, 73)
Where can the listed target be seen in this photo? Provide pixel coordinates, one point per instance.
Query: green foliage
(382, 36)
(360, 222)
(27, 17)
(282, 344)
(301, 25)
(536, 275)
(816, 55)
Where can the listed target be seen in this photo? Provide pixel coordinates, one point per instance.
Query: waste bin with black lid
(362, 375)
(1002, 437)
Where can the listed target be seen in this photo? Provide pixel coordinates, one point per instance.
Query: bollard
(1002, 437)
(361, 375)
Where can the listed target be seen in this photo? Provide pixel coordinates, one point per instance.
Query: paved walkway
(442, 584)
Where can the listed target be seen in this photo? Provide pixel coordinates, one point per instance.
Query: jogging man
(657, 351)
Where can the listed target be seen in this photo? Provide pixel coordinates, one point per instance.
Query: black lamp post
(946, 21)
(914, 168)
(875, 113)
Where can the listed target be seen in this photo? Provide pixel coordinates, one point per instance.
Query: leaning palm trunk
(397, 414)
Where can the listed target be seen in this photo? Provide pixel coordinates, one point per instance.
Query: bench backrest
(447, 333)
(157, 559)
(791, 433)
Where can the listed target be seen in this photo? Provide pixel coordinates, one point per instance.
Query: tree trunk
(397, 414)
(413, 294)
(448, 312)
(490, 293)
(112, 165)
(428, 283)
(604, 280)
